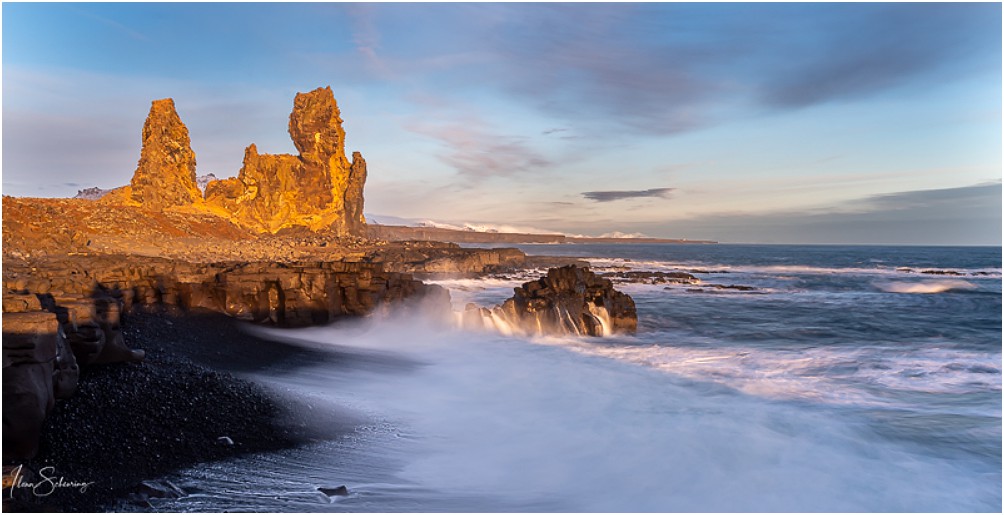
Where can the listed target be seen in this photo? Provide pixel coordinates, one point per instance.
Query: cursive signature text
(46, 484)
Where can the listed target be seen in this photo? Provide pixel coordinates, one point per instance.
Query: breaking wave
(940, 286)
(483, 422)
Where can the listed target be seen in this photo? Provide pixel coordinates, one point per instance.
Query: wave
(486, 423)
(942, 286)
(712, 268)
(837, 376)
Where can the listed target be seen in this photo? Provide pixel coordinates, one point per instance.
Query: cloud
(589, 62)
(969, 215)
(609, 196)
(867, 49)
(980, 195)
(476, 151)
(134, 34)
(670, 68)
(366, 37)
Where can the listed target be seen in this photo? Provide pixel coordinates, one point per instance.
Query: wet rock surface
(653, 277)
(568, 300)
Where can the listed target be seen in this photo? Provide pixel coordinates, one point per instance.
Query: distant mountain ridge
(404, 233)
(91, 193)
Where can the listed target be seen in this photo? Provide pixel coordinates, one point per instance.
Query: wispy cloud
(964, 215)
(609, 196)
(671, 68)
(874, 48)
(590, 62)
(980, 195)
(132, 33)
(474, 148)
(366, 37)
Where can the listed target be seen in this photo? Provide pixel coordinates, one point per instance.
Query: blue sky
(800, 123)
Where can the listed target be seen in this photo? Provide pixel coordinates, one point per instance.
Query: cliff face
(318, 189)
(165, 175)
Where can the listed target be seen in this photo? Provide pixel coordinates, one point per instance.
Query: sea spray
(935, 286)
(825, 393)
(507, 423)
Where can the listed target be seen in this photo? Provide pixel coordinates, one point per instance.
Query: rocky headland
(122, 308)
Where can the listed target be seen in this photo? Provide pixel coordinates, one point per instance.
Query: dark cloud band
(609, 196)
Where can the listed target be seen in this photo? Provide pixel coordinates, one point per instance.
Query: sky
(768, 123)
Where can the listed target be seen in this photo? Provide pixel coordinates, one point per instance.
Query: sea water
(846, 379)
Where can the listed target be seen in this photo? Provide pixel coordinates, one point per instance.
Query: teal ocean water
(837, 379)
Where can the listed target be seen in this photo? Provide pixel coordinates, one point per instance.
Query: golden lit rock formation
(165, 175)
(318, 189)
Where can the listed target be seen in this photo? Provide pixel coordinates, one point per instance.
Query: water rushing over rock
(568, 300)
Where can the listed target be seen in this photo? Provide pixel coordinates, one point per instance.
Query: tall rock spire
(165, 175)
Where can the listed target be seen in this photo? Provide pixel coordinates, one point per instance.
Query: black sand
(133, 422)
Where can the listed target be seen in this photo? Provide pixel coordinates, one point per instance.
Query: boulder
(30, 350)
(338, 491)
(568, 300)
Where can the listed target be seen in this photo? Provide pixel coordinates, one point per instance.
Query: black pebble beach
(129, 423)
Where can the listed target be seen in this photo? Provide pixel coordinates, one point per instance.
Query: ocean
(813, 378)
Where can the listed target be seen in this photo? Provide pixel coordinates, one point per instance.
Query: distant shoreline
(401, 232)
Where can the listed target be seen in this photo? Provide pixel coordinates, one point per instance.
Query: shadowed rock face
(165, 175)
(37, 369)
(568, 300)
(318, 189)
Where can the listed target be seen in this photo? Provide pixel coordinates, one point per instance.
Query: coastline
(135, 422)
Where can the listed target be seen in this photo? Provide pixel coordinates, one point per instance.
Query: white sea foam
(657, 266)
(495, 423)
(835, 375)
(934, 286)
